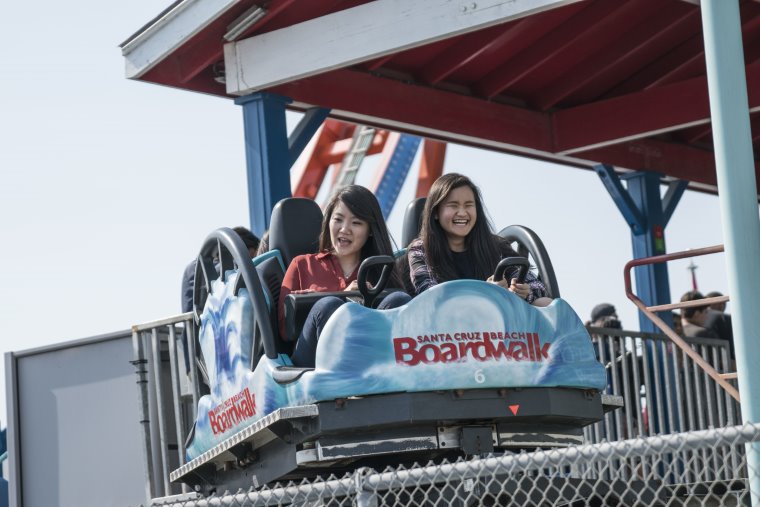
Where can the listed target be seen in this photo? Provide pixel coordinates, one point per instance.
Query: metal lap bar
(649, 311)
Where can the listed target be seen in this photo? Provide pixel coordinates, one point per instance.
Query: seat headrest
(294, 227)
(412, 221)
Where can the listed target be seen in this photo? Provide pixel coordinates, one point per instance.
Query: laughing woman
(352, 230)
(456, 242)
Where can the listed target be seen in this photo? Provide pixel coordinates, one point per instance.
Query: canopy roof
(578, 82)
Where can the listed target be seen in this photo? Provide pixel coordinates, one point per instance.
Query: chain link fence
(693, 468)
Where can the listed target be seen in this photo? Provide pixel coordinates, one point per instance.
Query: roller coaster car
(464, 368)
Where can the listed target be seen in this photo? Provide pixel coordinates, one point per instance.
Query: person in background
(188, 283)
(693, 318)
(615, 351)
(719, 307)
(263, 244)
(188, 277)
(604, 315)
(677, 324)
(719, 321)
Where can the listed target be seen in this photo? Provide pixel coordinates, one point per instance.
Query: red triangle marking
(514, 409)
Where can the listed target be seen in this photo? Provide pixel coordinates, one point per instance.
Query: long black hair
(485, 248)
(363, 204)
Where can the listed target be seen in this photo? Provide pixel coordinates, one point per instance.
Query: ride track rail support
(650, 311)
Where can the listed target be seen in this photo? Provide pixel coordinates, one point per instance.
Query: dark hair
(263, 244)
(484, 247)
(249, 238)
(692, 295)
(363, 204)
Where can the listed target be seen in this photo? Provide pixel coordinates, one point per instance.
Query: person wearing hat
(604, 315)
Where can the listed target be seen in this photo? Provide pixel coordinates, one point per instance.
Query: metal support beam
(267, 155)
(305, 130)
(394, 169)
(672, 196)
(652, 283)
(431, 165)
(647, 215)
(621, 198)
(734, 163)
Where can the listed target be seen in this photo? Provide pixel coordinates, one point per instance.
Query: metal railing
(664, 390)
(168, 396)
(723, 379)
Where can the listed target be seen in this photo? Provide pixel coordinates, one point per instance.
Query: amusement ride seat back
(412, 221)
(293, 230)
(410, 230)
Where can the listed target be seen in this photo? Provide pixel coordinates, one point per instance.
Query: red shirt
(312, 273)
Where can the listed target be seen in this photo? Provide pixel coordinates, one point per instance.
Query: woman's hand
(355, 286)
(520, 289)
(501, 283)
(302, 291)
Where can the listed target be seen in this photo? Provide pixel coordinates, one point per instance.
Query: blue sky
(109, 187)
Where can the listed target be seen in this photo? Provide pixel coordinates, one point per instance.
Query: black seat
(293, 230)
(412, 221)
(409, 232)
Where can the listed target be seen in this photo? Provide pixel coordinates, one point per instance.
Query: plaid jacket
(422, 276)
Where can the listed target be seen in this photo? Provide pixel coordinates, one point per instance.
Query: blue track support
(671, 198)
(737, 192)
(652, 284)
(395, 174)
(647, 215)
(304, 131)
(621, 198)
(267, 155)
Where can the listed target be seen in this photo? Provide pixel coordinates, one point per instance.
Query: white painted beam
(168, 32)
(362, 33)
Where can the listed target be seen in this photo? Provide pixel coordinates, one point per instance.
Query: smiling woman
(456, 242)
(348, 234)
(353, 229)
(457, 215)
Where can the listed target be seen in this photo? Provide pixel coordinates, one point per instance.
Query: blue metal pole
(305, 130)
(652, 284)
(267, 155)
(735, 167)
(647, 214)
(396, 172)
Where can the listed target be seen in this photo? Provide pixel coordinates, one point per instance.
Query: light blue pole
(738, 201)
